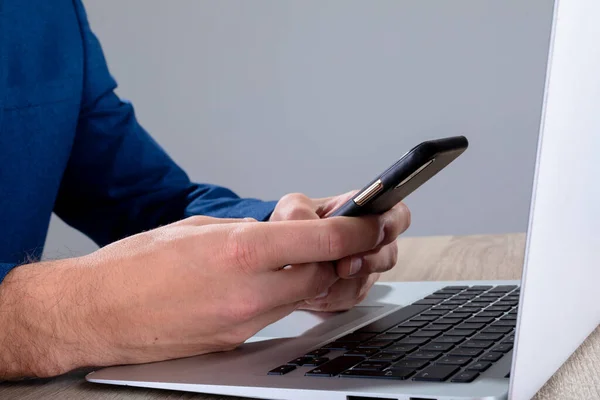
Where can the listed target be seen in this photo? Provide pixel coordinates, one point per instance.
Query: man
(203, 275)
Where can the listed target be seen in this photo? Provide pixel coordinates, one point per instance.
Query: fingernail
(322, 295)
(355, 265)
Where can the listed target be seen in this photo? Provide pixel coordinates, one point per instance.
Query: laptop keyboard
(452, 335)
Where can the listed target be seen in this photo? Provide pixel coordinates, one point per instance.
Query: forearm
(45, 309)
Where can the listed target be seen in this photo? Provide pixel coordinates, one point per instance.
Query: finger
(201, 220)
(343, 290)
(297, 283)
(326, 206)
(293, 207)
(381, 259)
(268, 246)
(396, 221)
(336, 304)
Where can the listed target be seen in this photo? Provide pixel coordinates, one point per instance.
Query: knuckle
(241, 253)
(244, 309)
(294, 198)
(335, 241)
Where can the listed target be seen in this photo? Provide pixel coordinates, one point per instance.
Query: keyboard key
(427, 318)
(315, 362)
(414, 324)
(449, 321)
(451, 292)
(445, 307)
(438, 296)
(413, 340)
(501, 322)
(497, 329)
(455, 288)
(335, 366)
(436, 312)
(427, 334)
(465, 377)
(436, 373)
(386, 357)
(340, 346)
(465, 352)
(493, 314)
(399, 374)
(372, 365)
(356, 337)
(508, 303)
(400, 348)
(509, 317)
(503, 288)
(449, 360)
(477, 305)
(317, 353)
(460, 332)
(376, 344)
(393, 319)
(414, 364)
(464, 296)
(482, 287)
(479, 320)
(491, 357)
(458, 315)
(510, 338)
(428, 302)
(507, 375)
(450, 339)
(362, 352)
(477, 344)
(437, 327)
(470, 310)
(503, 348)
(455, 302)
(479, 366)
(487, 336)
(485, 299)
(300, 361)
(390, 336)
(282, 370)
(471, 326)
(424, 355)
(513, 312)
(402, 329)
(498, 308)
(436, 346)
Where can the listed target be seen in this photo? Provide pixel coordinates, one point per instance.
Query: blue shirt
(68, 144)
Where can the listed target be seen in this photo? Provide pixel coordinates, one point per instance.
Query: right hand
(196, 286)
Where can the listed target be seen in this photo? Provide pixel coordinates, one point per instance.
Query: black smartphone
(412, 170)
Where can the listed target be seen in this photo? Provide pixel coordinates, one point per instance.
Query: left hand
(358, 272)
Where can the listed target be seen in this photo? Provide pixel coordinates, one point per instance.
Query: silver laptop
(450, 340)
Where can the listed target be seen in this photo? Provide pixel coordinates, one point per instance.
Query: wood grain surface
(420, 259)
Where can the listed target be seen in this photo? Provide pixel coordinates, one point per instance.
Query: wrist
(49, 306)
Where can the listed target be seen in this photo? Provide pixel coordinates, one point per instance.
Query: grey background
(269, 97)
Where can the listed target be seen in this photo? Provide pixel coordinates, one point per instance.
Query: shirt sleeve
(119, 181)
(5, 269)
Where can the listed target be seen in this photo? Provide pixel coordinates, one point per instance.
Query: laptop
(450, 340)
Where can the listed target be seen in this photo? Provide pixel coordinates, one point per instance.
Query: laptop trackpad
(311, 324)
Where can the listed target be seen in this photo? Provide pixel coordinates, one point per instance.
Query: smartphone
(404, 177)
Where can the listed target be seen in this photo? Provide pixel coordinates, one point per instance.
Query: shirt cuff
(5, 269)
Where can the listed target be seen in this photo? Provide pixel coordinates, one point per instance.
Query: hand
(196, 286)
(358, 271)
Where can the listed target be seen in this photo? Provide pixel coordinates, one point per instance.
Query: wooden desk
(421, 259)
